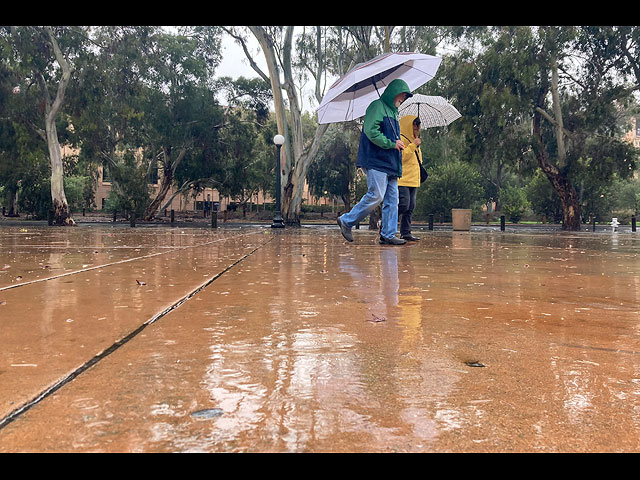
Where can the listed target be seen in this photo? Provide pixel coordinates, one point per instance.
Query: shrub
(514, 203)
(543, 199)
(451, 185)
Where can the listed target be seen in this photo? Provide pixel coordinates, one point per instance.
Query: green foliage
(130, 191)
(514, 202)
(626, 195)
(451, 185)
(137, 88)
(334, 167)
(79, 192)
(543, 199)
(34, 194)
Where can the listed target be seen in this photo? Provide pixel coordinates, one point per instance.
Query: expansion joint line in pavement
(53, 277)
(119, 343)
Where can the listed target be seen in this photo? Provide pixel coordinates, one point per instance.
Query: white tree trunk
(62, 214)
(297, 160)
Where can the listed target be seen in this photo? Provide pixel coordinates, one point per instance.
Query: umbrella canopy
(349, 97)
(432, 111)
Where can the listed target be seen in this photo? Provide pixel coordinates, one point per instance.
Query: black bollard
(633, 223)
(83, 212)
(431, 221)
(114, 215)
(132, 219)
(214, 219)
(594, 223)
(173, 216)
(502, 223)
(50, 217)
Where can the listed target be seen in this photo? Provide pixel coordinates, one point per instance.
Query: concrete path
(115, 339)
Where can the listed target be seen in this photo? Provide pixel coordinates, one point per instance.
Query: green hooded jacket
(380, 132)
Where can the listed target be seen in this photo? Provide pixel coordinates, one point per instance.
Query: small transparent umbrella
(433, 111)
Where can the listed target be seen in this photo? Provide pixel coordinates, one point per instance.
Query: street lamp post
(277, 219)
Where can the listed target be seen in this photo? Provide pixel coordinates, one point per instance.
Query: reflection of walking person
(410, 181)
(379, 156)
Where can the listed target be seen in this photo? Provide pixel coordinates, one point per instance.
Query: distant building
(189, 203)
(633, 134)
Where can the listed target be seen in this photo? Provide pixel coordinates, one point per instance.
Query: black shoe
(392, 241)
(410, 238)
(346, 231)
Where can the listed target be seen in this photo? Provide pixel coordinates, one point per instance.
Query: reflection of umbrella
(433, 111)
(349, 97)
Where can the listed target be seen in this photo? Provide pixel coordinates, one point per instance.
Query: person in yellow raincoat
(410, 181)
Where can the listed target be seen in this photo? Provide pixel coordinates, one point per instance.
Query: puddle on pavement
(460, 342)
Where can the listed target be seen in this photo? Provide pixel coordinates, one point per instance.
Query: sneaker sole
(342, 232)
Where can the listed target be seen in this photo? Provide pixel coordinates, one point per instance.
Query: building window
(105, 174)
(153, 175)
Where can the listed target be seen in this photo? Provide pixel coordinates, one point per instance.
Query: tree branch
(66, 74)
(553, 122)
(243, 44)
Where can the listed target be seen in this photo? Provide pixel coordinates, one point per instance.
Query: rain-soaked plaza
(252, 339)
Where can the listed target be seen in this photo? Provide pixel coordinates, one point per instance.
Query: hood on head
(395, 87)
(406, 126)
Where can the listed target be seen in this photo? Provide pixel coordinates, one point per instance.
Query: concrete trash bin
(461, 218)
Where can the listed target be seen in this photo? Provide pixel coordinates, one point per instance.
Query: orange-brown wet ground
(115, 339)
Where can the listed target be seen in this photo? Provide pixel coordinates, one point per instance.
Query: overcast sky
(234, 62)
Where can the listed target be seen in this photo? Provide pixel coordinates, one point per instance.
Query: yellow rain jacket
(410, 168)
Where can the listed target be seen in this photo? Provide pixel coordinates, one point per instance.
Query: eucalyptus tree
(585, 99)
(277, 45)
(230, 158)
(44, 58)
(487, 88)
(539, 76)
(106, 108)
(179, 105)
(147, 93)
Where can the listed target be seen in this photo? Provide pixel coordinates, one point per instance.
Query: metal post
(214, 219)
(633, 223)
(277, 219)
(132, 219)
(114, 215)
(431, 221)
(502, 223)
(173, 216)
(594, 223)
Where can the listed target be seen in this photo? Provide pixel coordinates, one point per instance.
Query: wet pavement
(117, 339)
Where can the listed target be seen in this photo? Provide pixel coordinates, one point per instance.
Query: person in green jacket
(380, 156)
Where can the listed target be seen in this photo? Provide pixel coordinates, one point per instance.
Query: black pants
(406, 204)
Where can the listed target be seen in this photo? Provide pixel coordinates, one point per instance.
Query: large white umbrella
(349, 97)
(433, 111)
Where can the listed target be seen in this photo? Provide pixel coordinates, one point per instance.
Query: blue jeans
(382, 188)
